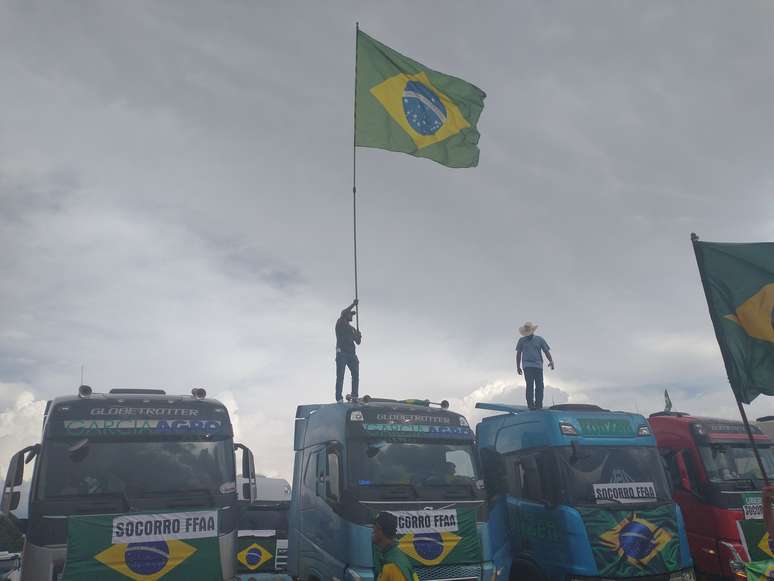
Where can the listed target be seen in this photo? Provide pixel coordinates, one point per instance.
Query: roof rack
(578, 407)
(138, 391)
(423, 402)
(501, 407)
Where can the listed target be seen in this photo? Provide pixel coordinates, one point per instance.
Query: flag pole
(726, 358)
(354, 182)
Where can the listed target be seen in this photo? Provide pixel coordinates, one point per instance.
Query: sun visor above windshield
(409, 424)
(139, 419)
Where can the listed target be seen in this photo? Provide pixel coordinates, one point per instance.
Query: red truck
(715, 477)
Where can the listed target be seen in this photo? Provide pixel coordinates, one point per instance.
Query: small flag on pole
(739, 285)
(667, 402)
(401, 105)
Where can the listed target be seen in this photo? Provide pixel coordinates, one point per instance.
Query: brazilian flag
(633, 543)
(759, 570)
(739, 284)
(167, 552)
(402, 105)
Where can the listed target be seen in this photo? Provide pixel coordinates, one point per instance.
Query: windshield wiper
(596, 500)
(395, 485)
(95, 495)
(183, 492)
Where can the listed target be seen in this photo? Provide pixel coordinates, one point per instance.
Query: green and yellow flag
(402, 105)
(739, 284)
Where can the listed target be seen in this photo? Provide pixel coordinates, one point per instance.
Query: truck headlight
(684, 575)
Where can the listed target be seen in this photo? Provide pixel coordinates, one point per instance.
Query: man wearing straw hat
(529, 355)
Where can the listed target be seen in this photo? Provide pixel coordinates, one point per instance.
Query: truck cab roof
(560, 425)
(319, 423)
(132, 405)
(712, 429)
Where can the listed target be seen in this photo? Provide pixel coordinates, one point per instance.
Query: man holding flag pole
(402, 105)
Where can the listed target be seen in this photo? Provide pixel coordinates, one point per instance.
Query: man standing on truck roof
(393, 564)
(346, 337)
(529, 355)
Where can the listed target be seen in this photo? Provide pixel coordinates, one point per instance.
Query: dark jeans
(344, 360)
(534, 379)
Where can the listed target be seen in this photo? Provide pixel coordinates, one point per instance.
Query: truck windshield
(735, 462)
(381, 462)
(135, 468)
(606, 475)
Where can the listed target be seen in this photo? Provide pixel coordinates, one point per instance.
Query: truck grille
(449, 573)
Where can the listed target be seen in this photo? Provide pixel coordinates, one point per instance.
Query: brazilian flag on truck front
(437, 537)
(632, 543)
(144, 547)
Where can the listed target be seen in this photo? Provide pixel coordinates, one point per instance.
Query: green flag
(144, 547)
(630, 543)
(402, 105)
(739, 284)
(439, 537)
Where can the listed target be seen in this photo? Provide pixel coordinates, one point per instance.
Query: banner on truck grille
(752, 505)
(143, 547)
(435, 537)
(631, 543)
(755, 539)
(256, 553)
(625, 492)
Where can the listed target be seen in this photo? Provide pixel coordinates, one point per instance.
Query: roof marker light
(567, 429)
(199, 393)
(84, 391)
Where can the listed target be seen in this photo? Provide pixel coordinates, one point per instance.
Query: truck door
(533, 518)
(699, 523)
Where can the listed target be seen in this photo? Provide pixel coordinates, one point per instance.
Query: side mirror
(15, 477)
(249, 485)
(685, 481)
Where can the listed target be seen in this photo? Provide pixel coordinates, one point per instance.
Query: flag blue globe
(146, 558)
(423, 109)
(636, 540)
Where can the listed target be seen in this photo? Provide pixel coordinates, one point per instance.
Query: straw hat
(527, 328)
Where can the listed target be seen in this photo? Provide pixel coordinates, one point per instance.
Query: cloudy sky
(175, 202)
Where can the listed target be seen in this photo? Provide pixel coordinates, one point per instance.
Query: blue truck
(578, 493)
(354, 460)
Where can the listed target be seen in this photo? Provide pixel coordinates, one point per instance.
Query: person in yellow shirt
(394, 564)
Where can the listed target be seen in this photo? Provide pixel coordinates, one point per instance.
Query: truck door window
(670, 459)
(333, 477)
(308, 490)
(459, 463)
(690, 468)
(528, 475)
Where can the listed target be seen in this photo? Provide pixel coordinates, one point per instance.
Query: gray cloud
(175, 200)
